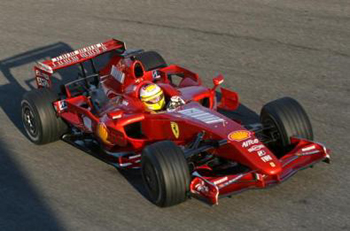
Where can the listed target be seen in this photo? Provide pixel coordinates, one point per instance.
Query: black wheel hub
(151, 180)
(29, 121)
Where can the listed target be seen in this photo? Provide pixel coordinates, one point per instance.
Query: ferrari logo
(175, 129)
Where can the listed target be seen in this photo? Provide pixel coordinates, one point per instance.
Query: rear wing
(44, 70)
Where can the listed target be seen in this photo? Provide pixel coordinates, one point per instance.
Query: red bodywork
(130, 127)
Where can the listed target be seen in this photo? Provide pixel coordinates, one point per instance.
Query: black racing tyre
(288, 118)
(151, 60)
(165, 173)
(39, 116)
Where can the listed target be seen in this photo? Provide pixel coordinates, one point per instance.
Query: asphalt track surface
(266, 49)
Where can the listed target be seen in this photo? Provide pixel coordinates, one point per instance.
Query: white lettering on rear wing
(75, 56)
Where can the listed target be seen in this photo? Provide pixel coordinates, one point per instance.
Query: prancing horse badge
(175, 129)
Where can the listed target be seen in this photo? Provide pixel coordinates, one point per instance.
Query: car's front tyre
(165, 173)
(286, 118)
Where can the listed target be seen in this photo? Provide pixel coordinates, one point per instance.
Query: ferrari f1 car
(189, 149)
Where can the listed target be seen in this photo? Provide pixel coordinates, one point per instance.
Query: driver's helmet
(152, 96)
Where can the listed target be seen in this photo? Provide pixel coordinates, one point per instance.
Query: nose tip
(273, 169)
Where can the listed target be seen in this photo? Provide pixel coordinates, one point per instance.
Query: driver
(153, 97)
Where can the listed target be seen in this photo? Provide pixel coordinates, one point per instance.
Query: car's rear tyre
(165, 173)
(39, 117)
(287, 118)
(151, 60)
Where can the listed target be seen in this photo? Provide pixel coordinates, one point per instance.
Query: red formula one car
(189, 148)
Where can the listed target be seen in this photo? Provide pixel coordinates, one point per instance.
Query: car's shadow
(21, 205)
(10, 99)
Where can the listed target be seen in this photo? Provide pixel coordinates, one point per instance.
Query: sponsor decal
(308, 148)
(42, 74)
(247, 143)
(43, 82)
(204, 116)
(102, 132)
(175, 128)
(118, 75)
(84, 53)
(156, 74)
(266, 158)
(261, 153)
(230, 181)
(308, 153)
(62, 105)
(239, 135)
(255, 148)
(222, 180)
(46, 76)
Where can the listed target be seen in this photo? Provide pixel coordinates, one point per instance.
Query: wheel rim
(151, 180)
(29, 121)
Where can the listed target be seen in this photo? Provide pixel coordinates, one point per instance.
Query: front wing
(305, 154)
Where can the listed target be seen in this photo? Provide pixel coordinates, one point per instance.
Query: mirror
(218, 80)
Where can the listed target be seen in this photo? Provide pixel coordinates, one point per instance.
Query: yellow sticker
(239, 135)
(175, 129)
(102, 132)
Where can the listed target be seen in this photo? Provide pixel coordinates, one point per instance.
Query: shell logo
(239, 135)
(102, 132)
